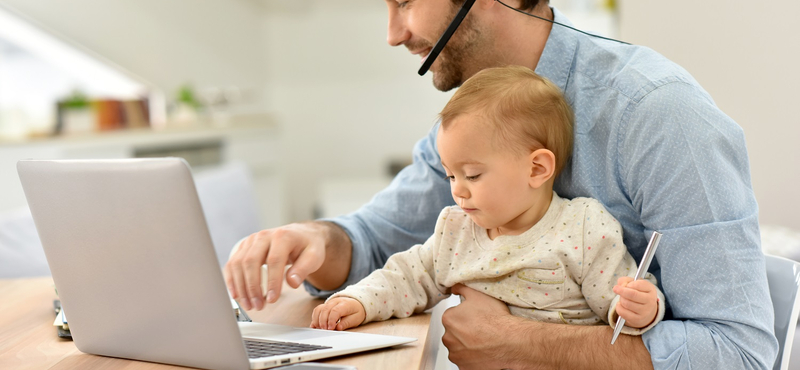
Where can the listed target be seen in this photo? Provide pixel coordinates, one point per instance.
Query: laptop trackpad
(254, 330)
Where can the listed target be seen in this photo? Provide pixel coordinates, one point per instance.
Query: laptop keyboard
(257, 349)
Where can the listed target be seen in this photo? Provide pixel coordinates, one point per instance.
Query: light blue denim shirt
(652, 146)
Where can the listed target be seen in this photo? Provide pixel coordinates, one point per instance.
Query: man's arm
(480, 333)
(397, 218)
(684, 167)
(594, 350)
(328, 255)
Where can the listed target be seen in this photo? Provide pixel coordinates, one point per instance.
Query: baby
(504, 137)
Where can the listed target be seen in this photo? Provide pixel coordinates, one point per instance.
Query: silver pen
(646, 259)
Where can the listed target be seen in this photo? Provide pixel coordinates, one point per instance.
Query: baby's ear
(543, 166)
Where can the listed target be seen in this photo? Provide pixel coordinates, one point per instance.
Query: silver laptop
(136, 272)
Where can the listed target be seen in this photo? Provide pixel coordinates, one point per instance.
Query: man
(649, 144)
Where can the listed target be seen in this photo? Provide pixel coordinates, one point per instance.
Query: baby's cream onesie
(561, 270)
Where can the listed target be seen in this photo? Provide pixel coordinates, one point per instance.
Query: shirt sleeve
(406, 285)
(685, 169)
(606, 259)
(400, 216)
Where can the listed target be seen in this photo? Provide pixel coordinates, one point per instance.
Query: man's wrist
(530, 334)
(338, 254)
(517, 343)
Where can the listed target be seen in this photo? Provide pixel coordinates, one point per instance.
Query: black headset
(437, 48)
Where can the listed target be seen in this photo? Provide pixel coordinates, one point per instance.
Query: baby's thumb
(459, 289)
(623, 281)
(349, 321)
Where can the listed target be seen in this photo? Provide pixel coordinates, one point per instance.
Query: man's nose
(397, 33)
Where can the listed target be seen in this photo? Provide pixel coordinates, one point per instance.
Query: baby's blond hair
(526, 111)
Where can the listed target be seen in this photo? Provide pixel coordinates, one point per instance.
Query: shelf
(254, 141)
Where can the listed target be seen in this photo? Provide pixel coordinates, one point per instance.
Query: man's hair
(524, 4)
(525, 111)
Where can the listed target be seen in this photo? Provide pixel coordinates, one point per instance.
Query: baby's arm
(638, 301)
(405, 285)
(605, 261)
(338, 313)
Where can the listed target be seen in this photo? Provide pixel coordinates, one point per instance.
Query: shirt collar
(559, 52)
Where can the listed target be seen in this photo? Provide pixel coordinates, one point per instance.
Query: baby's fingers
(338, 314)
(315, 316)
(324, 314)
(642, 286)
(340, 311)
(333, 320)
(633, 295)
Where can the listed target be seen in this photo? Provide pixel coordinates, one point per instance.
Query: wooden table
(28, 338)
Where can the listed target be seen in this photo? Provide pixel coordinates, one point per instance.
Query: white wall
(347, 100)
(168, 43)
(746, 54)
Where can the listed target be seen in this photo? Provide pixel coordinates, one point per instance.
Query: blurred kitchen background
(294, 109)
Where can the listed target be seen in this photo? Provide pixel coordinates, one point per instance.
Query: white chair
(21, 253)
(229, 204)
(783, 276)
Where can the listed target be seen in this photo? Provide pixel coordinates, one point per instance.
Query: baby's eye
(449, 178)
(472, 178)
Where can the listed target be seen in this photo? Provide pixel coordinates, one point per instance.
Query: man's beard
(466, 45)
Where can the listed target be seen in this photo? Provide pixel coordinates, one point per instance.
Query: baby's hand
(638, 301)
(339, 313)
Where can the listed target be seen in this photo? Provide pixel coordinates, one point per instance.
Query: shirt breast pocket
(541, 287)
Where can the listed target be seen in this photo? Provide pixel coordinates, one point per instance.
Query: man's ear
(543, 166)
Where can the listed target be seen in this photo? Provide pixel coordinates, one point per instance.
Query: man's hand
(638, 301)
(301, 245)
(474, 331)
(339, 313)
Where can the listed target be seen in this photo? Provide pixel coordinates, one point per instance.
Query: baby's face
(490, 184)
